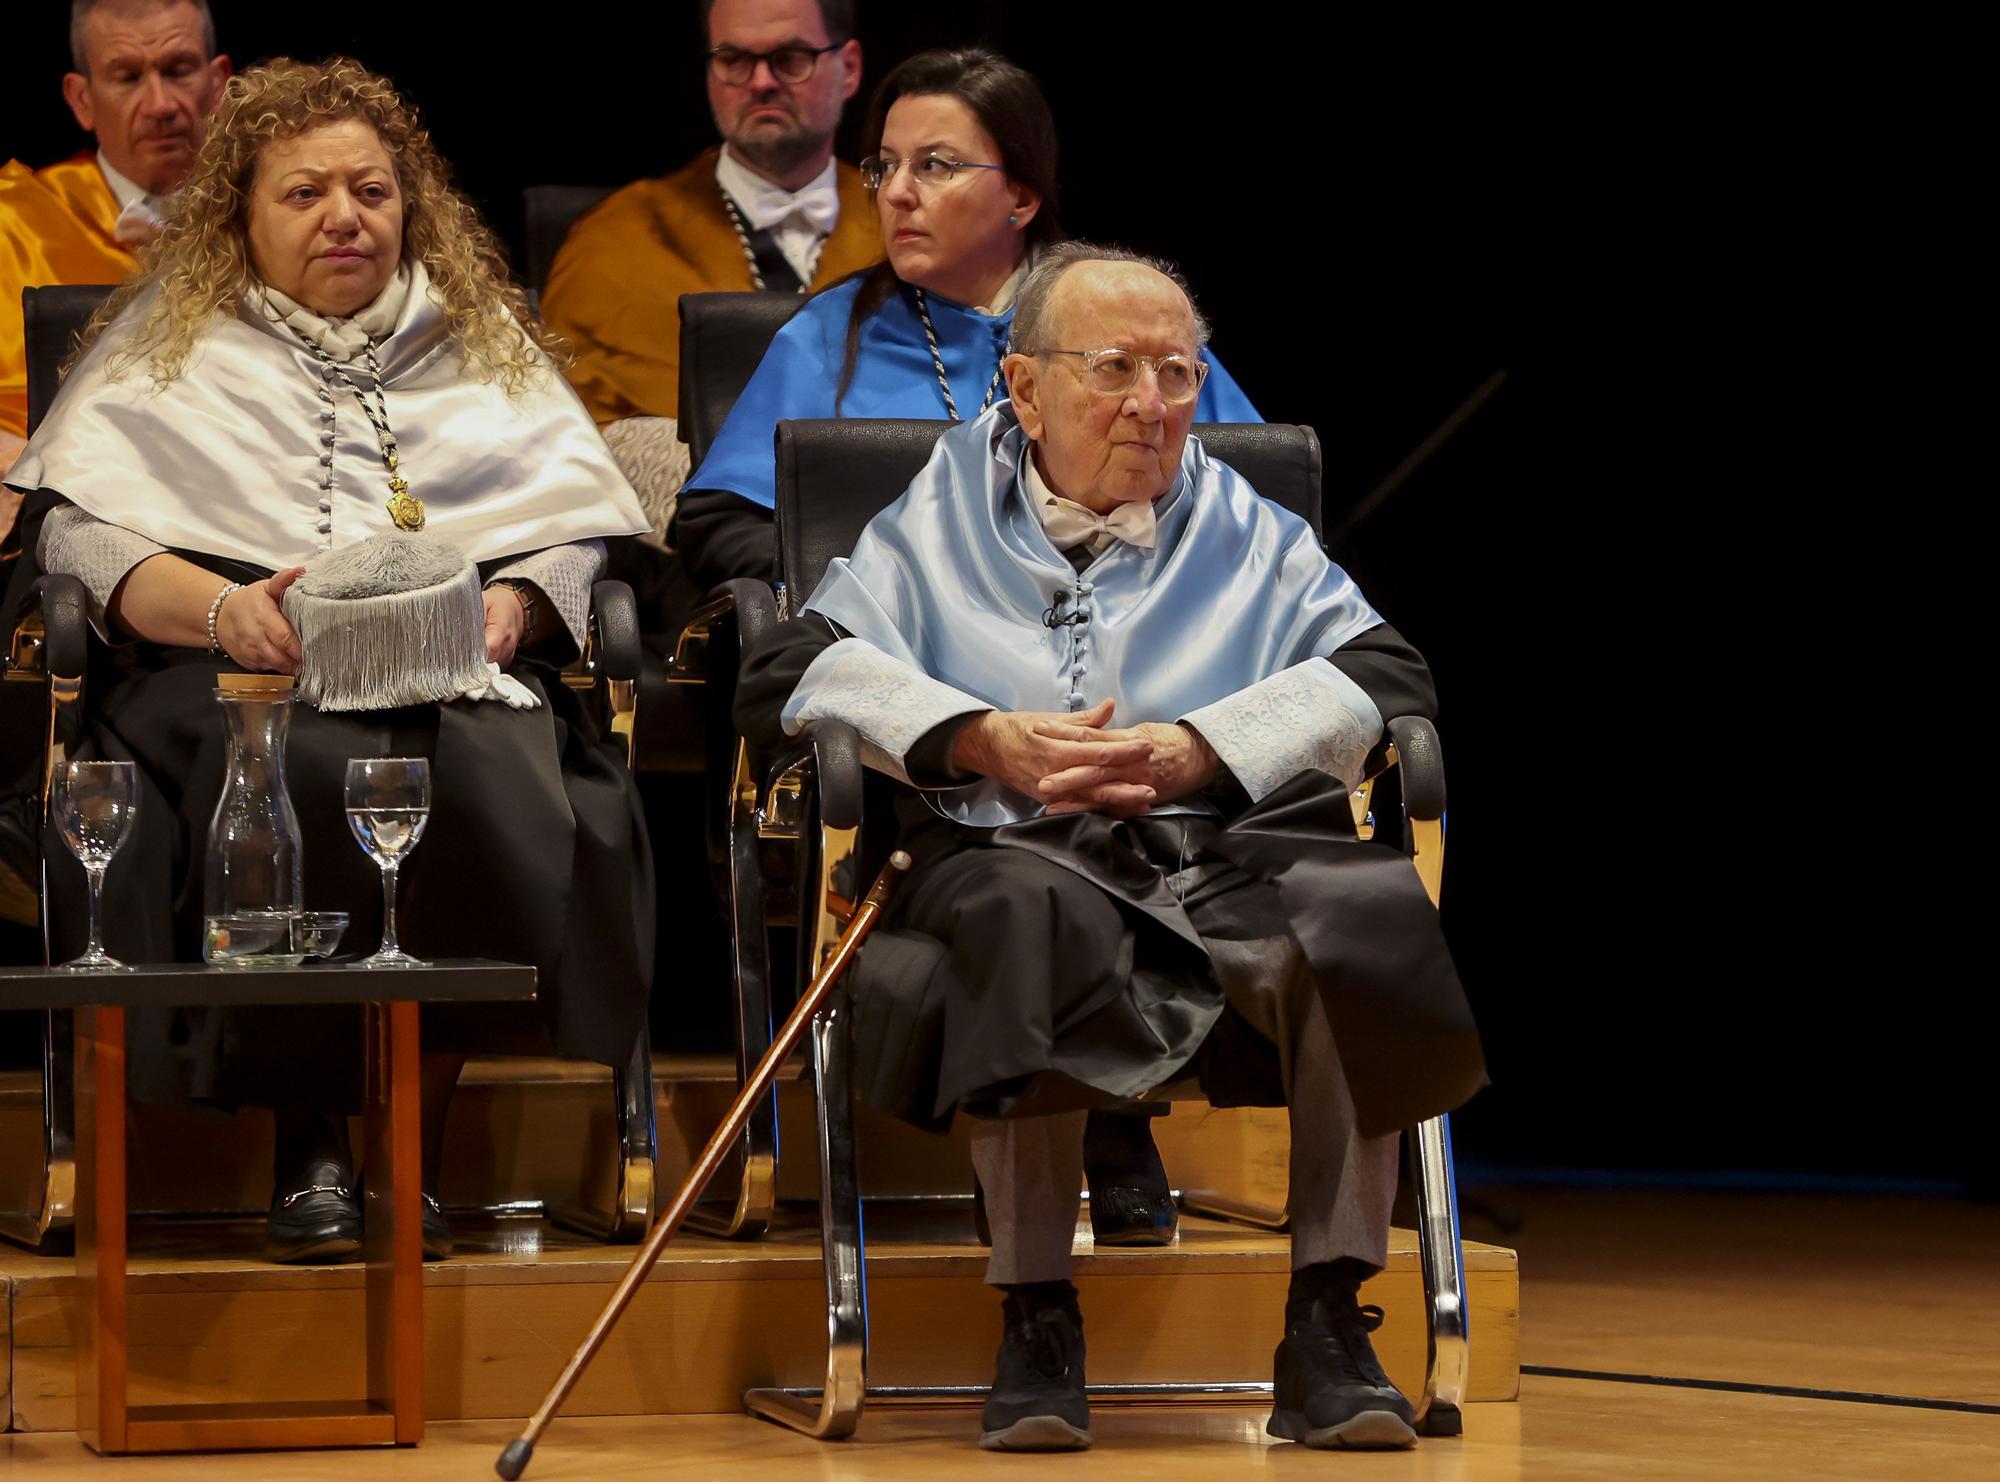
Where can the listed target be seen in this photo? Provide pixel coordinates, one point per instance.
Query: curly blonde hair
(201, 261)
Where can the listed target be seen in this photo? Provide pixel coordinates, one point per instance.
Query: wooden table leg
(101, 1380)
(394, 1219)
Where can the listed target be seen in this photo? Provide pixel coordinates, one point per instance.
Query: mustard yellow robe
(55, 227)
(615, 287)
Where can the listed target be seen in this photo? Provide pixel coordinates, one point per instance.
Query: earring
(1013, 218)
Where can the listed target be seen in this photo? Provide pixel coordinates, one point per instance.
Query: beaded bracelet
(215, 611)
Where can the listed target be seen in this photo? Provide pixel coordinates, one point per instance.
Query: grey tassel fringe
(394, 620)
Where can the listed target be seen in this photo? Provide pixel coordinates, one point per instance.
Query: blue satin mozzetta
(959, 579)
(893, 377)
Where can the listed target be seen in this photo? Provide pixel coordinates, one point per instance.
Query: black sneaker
(1038, 1403)
(1328, 1388)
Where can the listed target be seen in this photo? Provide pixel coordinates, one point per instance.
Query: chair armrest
(746, 605)
(65, 622)
(1420, 759)
(614, 615)
(756, 608)
(837, 758)
(831, 751)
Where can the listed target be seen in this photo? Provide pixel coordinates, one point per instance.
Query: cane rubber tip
(514, 1460)
(900, 860)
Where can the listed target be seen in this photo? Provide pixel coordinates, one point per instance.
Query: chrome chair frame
(48, 647)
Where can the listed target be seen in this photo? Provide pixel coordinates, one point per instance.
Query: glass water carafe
(251, 891)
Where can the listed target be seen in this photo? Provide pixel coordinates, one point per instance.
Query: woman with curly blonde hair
(325, 359)
(203, 265)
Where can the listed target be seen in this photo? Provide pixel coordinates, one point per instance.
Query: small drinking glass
(95, 804)
(317, 933)
(388, 804)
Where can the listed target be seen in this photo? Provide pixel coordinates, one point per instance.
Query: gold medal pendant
(404, 507)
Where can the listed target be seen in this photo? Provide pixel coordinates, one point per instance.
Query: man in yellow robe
(146, 78)
(770, 208)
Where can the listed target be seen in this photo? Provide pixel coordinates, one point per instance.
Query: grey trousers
(1342, 1184)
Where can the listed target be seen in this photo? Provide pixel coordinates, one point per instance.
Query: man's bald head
(1105, 270)
(146, 78)
(1084, 315)
(80, 12)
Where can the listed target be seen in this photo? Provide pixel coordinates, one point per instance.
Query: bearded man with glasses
(1128, 699)
(768, 208)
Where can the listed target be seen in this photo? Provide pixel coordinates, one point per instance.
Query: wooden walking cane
(514, 1460)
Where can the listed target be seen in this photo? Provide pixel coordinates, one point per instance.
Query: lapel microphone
(1052, 617)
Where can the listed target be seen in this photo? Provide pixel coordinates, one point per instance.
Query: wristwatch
(525, 591)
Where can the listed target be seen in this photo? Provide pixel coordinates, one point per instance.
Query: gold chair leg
(748, 1214)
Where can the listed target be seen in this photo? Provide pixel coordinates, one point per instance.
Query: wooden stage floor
(1778, 1315)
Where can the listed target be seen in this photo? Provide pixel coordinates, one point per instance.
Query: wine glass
(95, 804)
(388, 804)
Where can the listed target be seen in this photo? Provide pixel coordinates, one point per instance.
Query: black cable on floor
(1850, 1396)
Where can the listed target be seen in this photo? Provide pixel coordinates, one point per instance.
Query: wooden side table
(392, 1411)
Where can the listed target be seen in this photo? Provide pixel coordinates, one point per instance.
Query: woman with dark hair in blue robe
(960, 148)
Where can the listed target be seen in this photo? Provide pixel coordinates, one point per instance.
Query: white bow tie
(817, 207)
(1070, 524)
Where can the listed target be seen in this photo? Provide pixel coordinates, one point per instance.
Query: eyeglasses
(928, 171)
(788, 63)
(1115, 372)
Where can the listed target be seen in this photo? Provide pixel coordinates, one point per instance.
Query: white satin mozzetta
(959, 579)
(229, 458)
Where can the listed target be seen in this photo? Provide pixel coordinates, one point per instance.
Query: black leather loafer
(438, 1239)
(317, 1220)
(1131, 1202)
(437, 1236)
(1122, 1216)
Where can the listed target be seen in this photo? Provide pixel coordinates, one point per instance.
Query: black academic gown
(535, 852)
(1066, 961)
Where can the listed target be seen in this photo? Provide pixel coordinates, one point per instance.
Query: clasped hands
(254, 631)
(1075, 762)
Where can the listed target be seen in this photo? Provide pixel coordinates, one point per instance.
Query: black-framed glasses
(736, 66)
(1115, 372)
(929, 170)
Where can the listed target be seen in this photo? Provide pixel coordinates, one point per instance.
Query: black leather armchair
(832, 478)
(723, 340)
(549, 211)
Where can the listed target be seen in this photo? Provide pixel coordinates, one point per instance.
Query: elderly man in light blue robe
(1128, 698)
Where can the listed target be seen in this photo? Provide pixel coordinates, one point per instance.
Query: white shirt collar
(765, 205)
(1039, 492)
(1003, 297)
(125, 192)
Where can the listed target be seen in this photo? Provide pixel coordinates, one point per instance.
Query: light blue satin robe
(1236, 591)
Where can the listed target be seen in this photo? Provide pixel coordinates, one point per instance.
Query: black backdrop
(1670, 975)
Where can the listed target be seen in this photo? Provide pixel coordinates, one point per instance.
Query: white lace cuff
(96, 552)
(1308, 716)
(564, 573)
(890, 703)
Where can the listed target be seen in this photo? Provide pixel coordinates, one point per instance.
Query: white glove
(503, 687)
